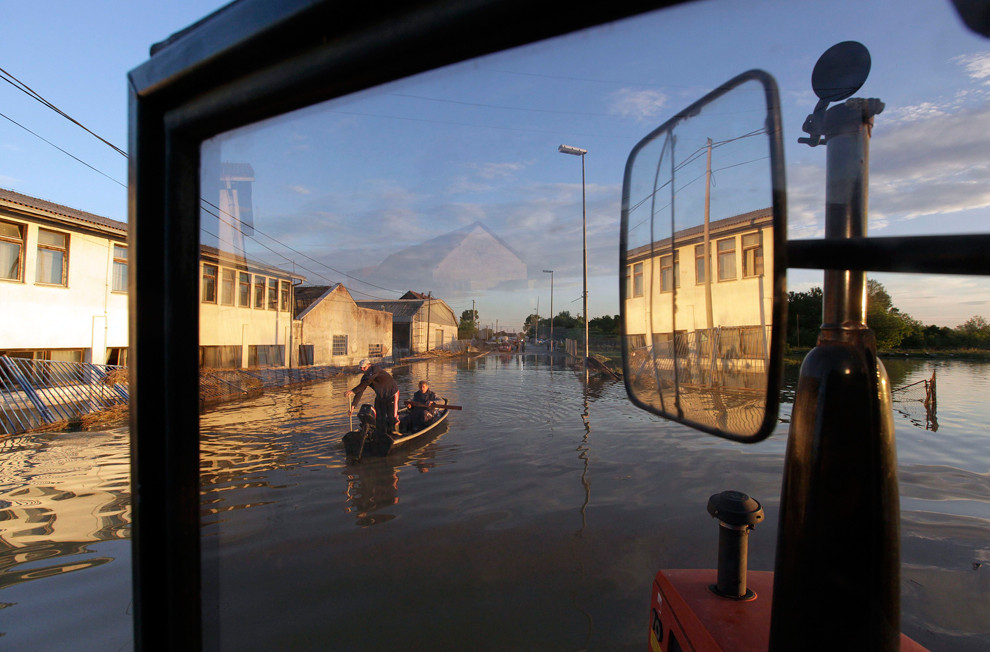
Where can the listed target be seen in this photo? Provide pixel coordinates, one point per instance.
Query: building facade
(63, 282)
(332, 329)
(420, 323)
(712, 312)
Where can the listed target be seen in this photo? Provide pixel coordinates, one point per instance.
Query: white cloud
(498, 170)
(641, 105)
(977, 66)
(300, 190)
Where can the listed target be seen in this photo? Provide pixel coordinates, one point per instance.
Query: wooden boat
(363, 441)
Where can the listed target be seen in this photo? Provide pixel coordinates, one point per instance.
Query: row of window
(243, 289)
(52, 266)
(725, 256)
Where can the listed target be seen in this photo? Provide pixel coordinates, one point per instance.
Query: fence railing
(39, 393)
(35, 393)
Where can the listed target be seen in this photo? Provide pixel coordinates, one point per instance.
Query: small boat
(363, 441)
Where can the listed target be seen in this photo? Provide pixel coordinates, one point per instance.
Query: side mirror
(703, 275)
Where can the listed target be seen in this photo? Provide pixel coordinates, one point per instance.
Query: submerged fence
(39, 393)
(35, 393)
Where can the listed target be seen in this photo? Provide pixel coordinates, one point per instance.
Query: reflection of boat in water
(364, 441)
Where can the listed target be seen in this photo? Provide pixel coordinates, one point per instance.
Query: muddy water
(534, 521)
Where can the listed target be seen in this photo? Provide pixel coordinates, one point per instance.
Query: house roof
(59, 212)
(404, 310)
(305, 296)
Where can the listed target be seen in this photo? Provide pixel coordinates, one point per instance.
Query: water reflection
(373, 483)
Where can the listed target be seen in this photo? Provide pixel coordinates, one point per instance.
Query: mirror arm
(940, 254)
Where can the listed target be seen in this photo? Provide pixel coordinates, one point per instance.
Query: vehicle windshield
(444, 223)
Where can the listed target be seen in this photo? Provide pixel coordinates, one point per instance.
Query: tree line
(605, 326)
(893, 329)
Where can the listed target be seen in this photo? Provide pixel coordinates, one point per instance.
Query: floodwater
(534, 521)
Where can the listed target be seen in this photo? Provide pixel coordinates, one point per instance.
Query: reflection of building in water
(708, 312)
(56, 496)
(469, 259)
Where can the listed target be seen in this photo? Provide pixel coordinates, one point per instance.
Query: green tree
(804, 317)
(606, 326)
(467, 328)
(888, 324)
(975, 332)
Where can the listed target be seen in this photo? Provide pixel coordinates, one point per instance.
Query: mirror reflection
(698, 262)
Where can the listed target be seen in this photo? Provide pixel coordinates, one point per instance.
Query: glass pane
(50, 266)
(699, 352)
(10, 261)
(8, 230)
(451, 185)
(51, 238)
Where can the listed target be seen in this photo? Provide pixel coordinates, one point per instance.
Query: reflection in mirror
(698, 255)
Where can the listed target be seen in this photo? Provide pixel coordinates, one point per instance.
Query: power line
(30, 92)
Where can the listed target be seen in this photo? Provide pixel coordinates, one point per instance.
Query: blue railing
(36, 393)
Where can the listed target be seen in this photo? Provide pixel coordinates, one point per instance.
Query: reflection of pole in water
(584, 451)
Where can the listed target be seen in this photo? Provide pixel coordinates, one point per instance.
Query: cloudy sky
(340, 186)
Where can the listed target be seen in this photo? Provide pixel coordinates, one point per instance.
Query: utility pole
(429, 306)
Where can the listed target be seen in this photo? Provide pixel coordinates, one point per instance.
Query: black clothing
(385, 389)
(420, 416)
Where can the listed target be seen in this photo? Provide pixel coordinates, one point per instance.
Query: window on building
(374, 350)
(209, 290)
(259, 292)
(117, 356)
(227, 279)
(272, 294)
(726, 259)
(243, 290)
(53, 257)
(670, 273)
(700, 268)
(266, 355)
(285, 295)
(636, 281)
(11, 250)
(339, 345)
(752, 254)
(439, 337)
(220, 357)
(305, 355)
(119, 283)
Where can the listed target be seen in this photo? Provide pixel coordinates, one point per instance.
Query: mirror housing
(707, 188)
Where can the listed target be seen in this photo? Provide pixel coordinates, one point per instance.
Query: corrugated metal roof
(58, 211)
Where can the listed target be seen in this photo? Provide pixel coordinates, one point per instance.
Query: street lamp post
(577, 151)
(550, 272)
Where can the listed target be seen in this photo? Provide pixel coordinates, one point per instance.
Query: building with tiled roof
(333, 330)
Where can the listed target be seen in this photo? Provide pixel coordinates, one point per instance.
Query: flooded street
(533, 521)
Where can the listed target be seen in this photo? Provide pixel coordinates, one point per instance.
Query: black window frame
(249, 61)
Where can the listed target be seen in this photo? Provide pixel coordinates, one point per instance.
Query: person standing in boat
(419, 415)
(386, 396)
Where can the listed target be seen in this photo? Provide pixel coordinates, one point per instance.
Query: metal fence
(36, 393)
(39, 393)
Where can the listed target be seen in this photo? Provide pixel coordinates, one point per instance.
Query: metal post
(584, 232)
(550, 272)
(838, 546)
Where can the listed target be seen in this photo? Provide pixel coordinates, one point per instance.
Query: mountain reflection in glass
(698, 244)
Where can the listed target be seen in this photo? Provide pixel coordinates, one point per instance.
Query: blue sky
(347, 183)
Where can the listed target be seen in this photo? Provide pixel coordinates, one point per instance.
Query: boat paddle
(432, 406)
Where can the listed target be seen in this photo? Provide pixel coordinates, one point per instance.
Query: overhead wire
(24, 88)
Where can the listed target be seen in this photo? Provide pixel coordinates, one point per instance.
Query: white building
(63, 289)
(63, 282)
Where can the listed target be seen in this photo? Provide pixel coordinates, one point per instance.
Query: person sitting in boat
(419, 413)
(386, 397)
